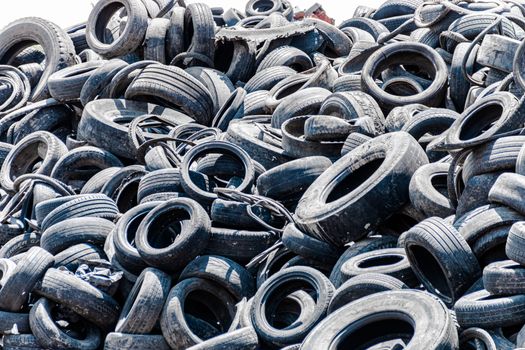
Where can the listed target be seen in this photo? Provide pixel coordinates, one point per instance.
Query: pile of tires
(177, 176)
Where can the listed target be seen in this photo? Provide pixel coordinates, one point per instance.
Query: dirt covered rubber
(370, 167)
(129, 39)
(56, 45)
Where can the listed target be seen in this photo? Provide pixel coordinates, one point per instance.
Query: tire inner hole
(352, 180)
(383, 260)
(375, 333)
(208, 308)
(431, 270)
(166, 228)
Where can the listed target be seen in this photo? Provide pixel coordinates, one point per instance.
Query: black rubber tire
(122, 186)
(497, 155)
(217, 83)
(323, 216)
(488, 339)
(15, 291)
(19, 244)
(119, 341)
(515, 243)
(481, 309)
(235, 215)
(280, 285)
(85, 157)
(389, 261)
(507, 190)
(476, 193)
(351, 105)
(100, 128)
(203, 195)
(177, 248)
(199, 30)
(476, 223)
(399, 116)
(273, 263)
(353, 141)
(441, 259)
(71, 258)
(504, 278)
(362, 246)
(144, 303)
(21, 342)
(255, 103)
(97, 181)
(367, 24)
(65, 85)
(81, 297)
(10, 230)
(391, 8)
(295, 145)
(336, 42)
(21, 158)
(174, 319)
(520, 163)
(232, 16)
(89, 205)
(432, 96)
(173, 87)
(262, 8)
(57, 46)
(490, 247)
(308, 247)
(436, 327)
(75, 231)
(124, 235)
(327, 128)
(99, 82)
(241, 67)
(152, 7)
(470, 25)
(248, 136)
(155, 40)
(239, 245)
(459, 85)
(433, 121)
(50, 119)
(428, 190)
(361, 286)
(286, 56)
(266, 78)
(116, 88)
(292, 178)
(304, 102)
(233, 108)
(132, 36)
(348, 83)
(49, 335)
(223, 271)
(394, 22)
(175, 35)
(158, 181)
(484, 120)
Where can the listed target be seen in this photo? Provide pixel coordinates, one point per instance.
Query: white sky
(69, 12)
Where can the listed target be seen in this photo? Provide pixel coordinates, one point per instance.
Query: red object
(315, 11)
(321, 14)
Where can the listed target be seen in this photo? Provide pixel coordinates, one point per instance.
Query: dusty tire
(129, 40)
(437, 331)
(58, 48)
(312, 209)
